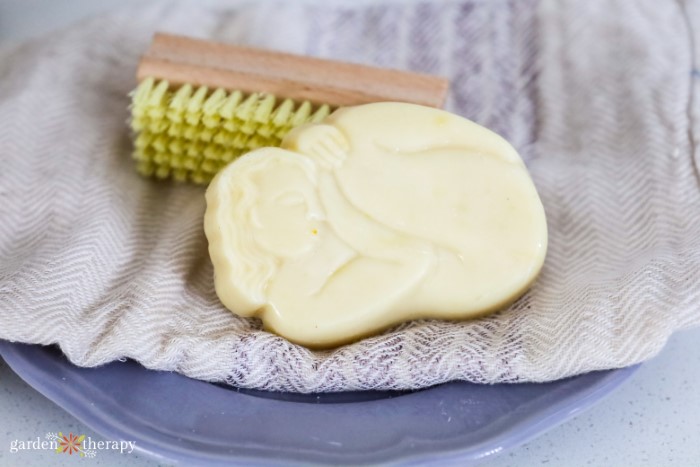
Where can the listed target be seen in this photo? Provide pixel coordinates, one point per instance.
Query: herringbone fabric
(597, 96)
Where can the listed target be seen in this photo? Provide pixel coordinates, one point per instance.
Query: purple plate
(186, 421)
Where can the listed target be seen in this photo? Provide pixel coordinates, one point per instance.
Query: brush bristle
(191, 133)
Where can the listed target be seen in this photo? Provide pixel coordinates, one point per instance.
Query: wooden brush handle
(181, 60)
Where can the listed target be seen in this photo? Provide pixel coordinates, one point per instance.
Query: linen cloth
(598, 97)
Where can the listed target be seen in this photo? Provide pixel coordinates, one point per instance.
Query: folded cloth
(596, 96)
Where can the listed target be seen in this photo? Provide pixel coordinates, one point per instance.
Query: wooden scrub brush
(200, 104)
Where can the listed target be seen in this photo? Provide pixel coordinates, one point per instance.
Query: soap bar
(379, 214)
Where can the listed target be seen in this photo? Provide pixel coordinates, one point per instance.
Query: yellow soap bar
(379, 214)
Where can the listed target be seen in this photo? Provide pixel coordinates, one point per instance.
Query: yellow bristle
(190, 133)
(281, 132)
(222, 137)
(139, 97)
(321, 113)
(264, 131)
(200, 178)
(160, 143)
(209, 166)
(156, 103)
(177, 161)
(176, 146)
(228, 110)
(180, 175)
(210, 111)
(246, 115)
(239, 140)
(143, 140)
(302, 114)
(249, 127)
(178, 104)
(212, 152)
(264, 109)
(163, 171)
(207, 134)
(146, 168)
(190, 163)
(195, 150)
(245, 110)
(282, 114)
(176, 130)
(161, 158)
(257, 141)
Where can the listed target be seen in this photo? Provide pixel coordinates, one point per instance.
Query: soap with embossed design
(381, 213)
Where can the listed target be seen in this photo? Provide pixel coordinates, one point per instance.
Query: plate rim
(522, 431)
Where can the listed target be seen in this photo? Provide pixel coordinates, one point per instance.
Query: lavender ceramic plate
(186, 421)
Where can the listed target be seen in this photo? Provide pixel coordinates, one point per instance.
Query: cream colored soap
(382, 213)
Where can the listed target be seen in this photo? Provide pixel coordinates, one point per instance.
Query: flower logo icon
(70, 443)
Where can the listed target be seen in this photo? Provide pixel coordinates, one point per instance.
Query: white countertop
(652, 420)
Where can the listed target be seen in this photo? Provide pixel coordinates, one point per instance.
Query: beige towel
(597, 97)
